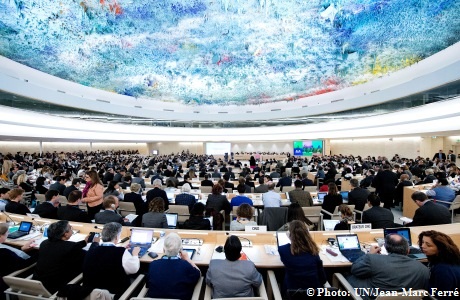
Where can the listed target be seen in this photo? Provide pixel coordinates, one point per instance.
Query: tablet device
(191, 252)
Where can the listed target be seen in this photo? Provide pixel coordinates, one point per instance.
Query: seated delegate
(107, 266)
(174, 276)
(59, 260)
(244, 214)
(156, 217)
(444, 262)
(231, 277)
(304, 268)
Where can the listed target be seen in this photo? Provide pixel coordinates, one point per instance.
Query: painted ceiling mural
(224, 51)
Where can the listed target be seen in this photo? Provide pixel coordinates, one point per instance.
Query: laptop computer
(321, 195)
(349, 246)
(405, 232)
(329, 225)
(24, 229)
(141, 238)
(172, 220)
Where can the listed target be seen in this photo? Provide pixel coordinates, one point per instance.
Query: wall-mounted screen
(218, 148)
(155, 152)
(308, 147)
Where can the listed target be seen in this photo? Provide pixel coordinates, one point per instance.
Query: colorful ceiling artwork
(224, 52)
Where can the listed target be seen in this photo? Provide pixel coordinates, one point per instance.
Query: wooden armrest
(197, 290)
(272, 286)
(77, 279)
(326, 212)
(18, 272)
(132, 287)
(338, 280)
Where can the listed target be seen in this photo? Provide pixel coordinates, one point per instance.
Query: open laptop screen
(344, 195)
(172, 219)
(141, 236)
(348, 242)
(25, 226)
(405, 232)
(321, 196)
(329, 225)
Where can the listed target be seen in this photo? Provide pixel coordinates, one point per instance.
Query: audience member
(442, 192)
(217, 201)
(75, 186)
(244, 214)
(72, 211)
(155, 218)
(299, 196)
(109, 214)
(107, 266)
(285, 180)
(241, 198)
(357, 196)
(378, 216)
(185, 198)
(295, 212)
(243, 277)
(15, 206)
(444, 262)
(59, 260)
(346, 218)
(197, 221)
(262, 187)
(391, 272)
(303, 266)
(135, 197)
(114, 189)
(59, 185)
(385, 184)
(157, 192)
(271, 198)
(174, 276)
(399, 192)
(428, 213)
(332, 199)
(49, 208)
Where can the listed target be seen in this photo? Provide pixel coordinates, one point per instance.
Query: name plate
(361, 227)
(250, 228)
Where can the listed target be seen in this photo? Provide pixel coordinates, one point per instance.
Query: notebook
(141, 238)
(172, 220)
(321, 196)
(282, 238)
(405, 232)
(24, 229)
(349, 246)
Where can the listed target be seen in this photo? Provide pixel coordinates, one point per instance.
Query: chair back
(126, 208)
(310, 189)
(288, 188)
(26, 288)
(40, 198)
(181, 210)
(314, 214)
(206, 189)
(273, 217)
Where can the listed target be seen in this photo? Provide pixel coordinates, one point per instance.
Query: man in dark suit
(109, 214)
(118, 176)
(451, 156)
(428, 213)
(126, 182)
(385, 184)
(284, 181)
(262, 187)
(157, 192)
(59, 185)
(74, 187)
(306, 181)
(378, 216)
(48, 209)
(71, 212)
(357, 196)
(206, 181)
(227, 183)
(108, 176)
(440, 155)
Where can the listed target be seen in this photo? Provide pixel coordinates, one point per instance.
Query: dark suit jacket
(379, 217)
(385, 182)
(108, 216)
(284, 181)
(229, 185)
(431, 214)
(206, 182)
(436, 155)
(58, 263)
(58, 187)
(16, 208)
(73, 213)
(157, 192)
(358, 197)
(262, 188)
(69, 190)
(46, 210)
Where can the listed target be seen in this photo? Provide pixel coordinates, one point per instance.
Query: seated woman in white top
(244, 214)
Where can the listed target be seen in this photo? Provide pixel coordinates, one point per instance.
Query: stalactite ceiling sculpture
(224, 51)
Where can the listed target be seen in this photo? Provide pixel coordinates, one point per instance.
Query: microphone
(97, 227)
(8, 217)
(249, 244)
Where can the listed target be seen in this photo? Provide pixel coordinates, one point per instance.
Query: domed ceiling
(224, 52)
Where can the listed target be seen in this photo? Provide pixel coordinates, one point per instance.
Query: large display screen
(308, 148)
(218, 148)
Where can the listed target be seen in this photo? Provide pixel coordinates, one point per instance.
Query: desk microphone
(8, 217)
(242, 237)
(97, 227)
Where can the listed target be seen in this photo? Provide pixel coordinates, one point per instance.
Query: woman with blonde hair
(93, 193)
(304, 268)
